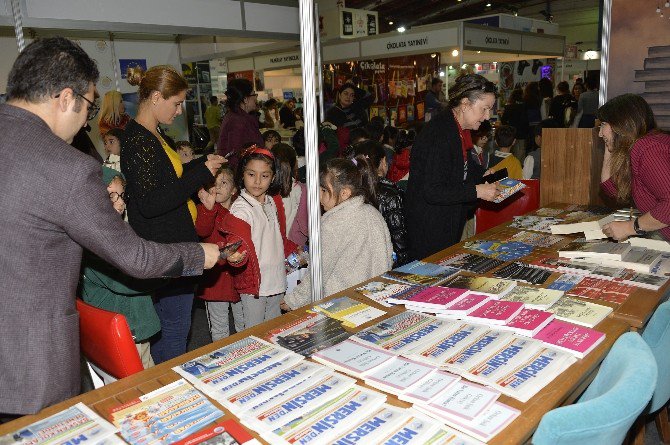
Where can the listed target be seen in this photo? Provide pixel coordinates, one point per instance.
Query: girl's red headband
(255, 149)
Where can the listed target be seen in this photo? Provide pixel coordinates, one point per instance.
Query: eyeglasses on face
(113, 196)
(93, 108)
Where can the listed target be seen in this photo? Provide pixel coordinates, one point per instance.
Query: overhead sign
(281, 60)
(543, 44)
(418, 42)
(490, 39)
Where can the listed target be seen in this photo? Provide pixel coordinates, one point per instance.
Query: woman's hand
(619, 230)
(214, 162)
(237, 257)
(208, 198)
(487, 192)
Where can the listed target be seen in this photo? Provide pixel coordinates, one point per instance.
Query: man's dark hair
(504, 136)
(213, 100)
(435, 81)
(47, 66)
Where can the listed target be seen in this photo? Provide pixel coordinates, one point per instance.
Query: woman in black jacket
(390, 199)
(443, 180)
(159, 189)
(351, 107)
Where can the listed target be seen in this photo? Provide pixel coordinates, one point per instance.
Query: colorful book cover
(371, 428)
(167, 415)
(519, 271)
(584, 313)
(598, 289)
(493, 287)
(308, 334)
(502, 250)
(398, 374)
(380, 291)
(509, 187)
(529, 322)
(534, 297)
(566, 282)
(646, 281)
(578, 340)
(464, 306)
(436, 297)
(228, 432)
(72, 425)
(536, 239)
(419, 429)
(419, 272)
(472, 262)
(353, 358)
(429, 387)
(350, 312)
(401, 333)
(481, 348)
(535, 223)
(438, 351)
(496, 312)
(504, 359)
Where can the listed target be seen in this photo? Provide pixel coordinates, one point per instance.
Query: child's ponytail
(355, 174)
(368, 187)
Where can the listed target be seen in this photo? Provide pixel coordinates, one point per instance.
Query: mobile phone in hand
(229, 249)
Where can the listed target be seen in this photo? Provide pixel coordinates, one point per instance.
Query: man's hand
(211, 254)
(214, 162)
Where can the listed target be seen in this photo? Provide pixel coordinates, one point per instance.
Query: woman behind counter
(444, 182)
(636, 165)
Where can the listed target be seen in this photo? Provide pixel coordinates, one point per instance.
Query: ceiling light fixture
(454, 53)
(401, 28)
(390, 22)
(488, 5)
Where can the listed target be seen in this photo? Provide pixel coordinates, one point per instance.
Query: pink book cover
(496, 312)
(467, 304)
(530, 321)
(570, 337)
(437, 297)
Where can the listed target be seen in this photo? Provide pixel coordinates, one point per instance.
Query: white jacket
(355, 246)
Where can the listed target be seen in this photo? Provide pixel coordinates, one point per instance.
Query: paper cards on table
(353, 358)
(77, 422)
(397, 375)
(351, 313)
(308, 334)
(166, 415)
(429, 387)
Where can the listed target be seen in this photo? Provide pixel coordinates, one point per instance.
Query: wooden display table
(564, 390)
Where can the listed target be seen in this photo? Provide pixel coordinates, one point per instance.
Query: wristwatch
(636, 227)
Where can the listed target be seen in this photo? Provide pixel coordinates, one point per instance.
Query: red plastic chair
(107, 343)
(490, 214)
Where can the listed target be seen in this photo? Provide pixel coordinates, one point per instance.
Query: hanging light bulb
(667, 4)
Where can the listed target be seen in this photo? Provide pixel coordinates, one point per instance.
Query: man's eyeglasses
(113, 196)
(92, 109)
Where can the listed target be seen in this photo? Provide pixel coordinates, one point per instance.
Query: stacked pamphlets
(482, 346)
(508, 188)
(502, 250)
(638, 259)
(529, 322)
(493, 287)
(402, 333)
(581, 312)
(353, 358)
(597, 250)
(227, 432)
(646, 281)
(565, 282)
(419, 272)
(437, 350)
(433, 298)
(495, 312)
(75, 424)
(429, 387)
(519, 271)
(472, 262)
(533, 297)
(592, 227)
(463, 401)
(329, 419)
(605, 290)
(535, 223)
(236, 365)
(536, 239)
(380, 291)
(397, 375)
(503, 359)
(461, 308)
(373, 427)
(569, 337)
(419, 429)
(166, 415)
(308, 334)
(351, 313)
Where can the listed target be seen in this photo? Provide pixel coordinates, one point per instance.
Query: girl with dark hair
(240, 125)
(444, 182)
(159, 189)
(293, 194)
(260, 224)
(356, 244)
(390, 199)
(636, 165)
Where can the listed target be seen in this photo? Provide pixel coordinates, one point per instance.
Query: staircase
(656, 78)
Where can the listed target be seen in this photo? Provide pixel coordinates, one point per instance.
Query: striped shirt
(650, 172)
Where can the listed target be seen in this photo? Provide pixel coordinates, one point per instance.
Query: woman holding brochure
(444, 182)
(636, 165)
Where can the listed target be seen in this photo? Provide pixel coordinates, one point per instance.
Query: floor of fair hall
(200, 337)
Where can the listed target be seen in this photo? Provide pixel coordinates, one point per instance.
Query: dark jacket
(355, 115)
(390, 199)
(157, 198)
(55, 205)
(286, 117)
(437, 198)
(237, 129)
(516, 115)
(558, 106)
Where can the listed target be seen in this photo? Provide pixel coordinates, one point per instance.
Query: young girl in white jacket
(355, 240)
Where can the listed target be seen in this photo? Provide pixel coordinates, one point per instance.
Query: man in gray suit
(53, 204)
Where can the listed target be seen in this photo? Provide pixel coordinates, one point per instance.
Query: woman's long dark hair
(236, 92)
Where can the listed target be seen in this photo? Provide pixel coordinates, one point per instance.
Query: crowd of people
(238, 217)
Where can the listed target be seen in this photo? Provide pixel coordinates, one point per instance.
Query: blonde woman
(112, 113)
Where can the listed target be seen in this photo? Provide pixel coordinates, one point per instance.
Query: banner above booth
(486, 38)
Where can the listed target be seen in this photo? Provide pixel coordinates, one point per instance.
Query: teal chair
(657, 336)
(609, 406)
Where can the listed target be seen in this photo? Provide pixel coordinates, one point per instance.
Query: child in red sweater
(217, 286)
